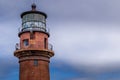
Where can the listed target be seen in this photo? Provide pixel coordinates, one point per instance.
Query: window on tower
(45, 43)
(26, 42)
(35, 62)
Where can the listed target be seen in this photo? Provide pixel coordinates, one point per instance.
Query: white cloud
(89, 45)
(8, 38)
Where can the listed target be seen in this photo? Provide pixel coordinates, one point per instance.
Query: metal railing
(17, 46)
(50, 47)
(21, 29)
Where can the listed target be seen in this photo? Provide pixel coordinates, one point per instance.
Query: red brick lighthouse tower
(34, 51)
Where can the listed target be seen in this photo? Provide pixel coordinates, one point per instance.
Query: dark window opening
(35, 62)
(45, 43)
(32, 35)
(26, 42)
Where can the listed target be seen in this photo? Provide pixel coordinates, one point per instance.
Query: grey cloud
(67, 10)
(8, 66)
(101, 10)
(83, 72)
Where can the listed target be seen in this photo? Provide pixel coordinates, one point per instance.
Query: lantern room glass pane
(33, 17)
(34, 24)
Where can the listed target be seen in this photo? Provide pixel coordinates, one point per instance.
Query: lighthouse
(33, 50)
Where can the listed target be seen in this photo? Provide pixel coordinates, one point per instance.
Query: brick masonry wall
(37, 42)
(28, 71)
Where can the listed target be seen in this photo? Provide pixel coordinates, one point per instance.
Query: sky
(85, 35)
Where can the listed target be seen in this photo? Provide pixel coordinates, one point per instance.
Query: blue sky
(85, 35)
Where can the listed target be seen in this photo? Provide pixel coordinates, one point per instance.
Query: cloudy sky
(85, 35)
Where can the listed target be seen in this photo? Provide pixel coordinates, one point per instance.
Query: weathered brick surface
(38, 42)
(28, 71)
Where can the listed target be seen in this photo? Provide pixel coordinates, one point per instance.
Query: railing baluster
(50, 47)
(17, 46)
(33, 28)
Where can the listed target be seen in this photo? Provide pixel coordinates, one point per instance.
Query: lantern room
(33, 21)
